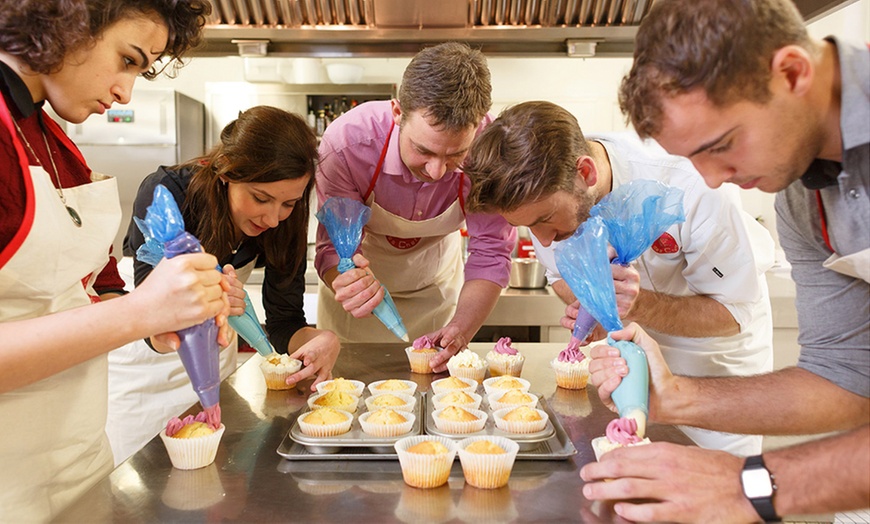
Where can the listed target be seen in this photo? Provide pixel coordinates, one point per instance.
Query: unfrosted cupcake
(620, 432)
(504, 359)
(466, 364)
(334, 399)
(444, 385)
(386, 422)
(425, 460)
(354, 387)
(487, 461)
(325, 422)
(571, 368)
(459, 421)
(505, 383)
(191, 442)
(463, 399)
(397, 401)
(420, 353)
(520, 420)
(512, 398)
(393, 385)
(277, 367)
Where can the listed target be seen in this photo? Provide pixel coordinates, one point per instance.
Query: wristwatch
(759, 487)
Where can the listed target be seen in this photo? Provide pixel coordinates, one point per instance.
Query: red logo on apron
(665, 244)
(402, 243)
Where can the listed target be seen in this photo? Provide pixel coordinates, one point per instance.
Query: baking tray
(557, 447)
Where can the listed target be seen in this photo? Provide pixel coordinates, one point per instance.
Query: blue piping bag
(344, 219)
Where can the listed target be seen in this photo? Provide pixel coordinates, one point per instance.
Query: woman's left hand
(318, 356)
(236, 292)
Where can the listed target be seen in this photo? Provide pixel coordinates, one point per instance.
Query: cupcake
(276, 368)
(397, 401)
(334, 399)
(457, 397)
(504, 383)
(487, 461)
(512, 398)
(466, 364)
(393, 385)
(191, 442)
(520, 420)
(354, 387)
(425, 460)
(620, 432)
(420, 353)
(504, 359)
(458, 421)
(386, 422)
(325, 422)
(571, 368)
(444, 385)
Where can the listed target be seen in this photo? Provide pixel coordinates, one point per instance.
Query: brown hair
(529, 152)
(450, 83)
(42, 33)
(721, 46)
(264, 144)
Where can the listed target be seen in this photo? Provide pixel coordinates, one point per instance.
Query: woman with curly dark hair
(57, 222)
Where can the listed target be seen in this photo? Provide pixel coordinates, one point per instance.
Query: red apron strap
(824, 220)
(380, 163)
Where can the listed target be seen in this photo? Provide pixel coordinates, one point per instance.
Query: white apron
(147, 388)
(53, 446)
(419, 262)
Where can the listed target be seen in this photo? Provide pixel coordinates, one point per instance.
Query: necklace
(73, 214)
(236, 250)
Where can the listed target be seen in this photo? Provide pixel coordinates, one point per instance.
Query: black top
(283, 302)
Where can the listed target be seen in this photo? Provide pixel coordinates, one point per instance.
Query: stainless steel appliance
(159, 127)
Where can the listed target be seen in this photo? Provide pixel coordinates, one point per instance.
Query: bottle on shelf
(343, 108)
(320, 124)
(312, 118)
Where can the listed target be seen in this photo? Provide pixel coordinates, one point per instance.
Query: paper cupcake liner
(474, 373)
(438, 401)
(410, 390)
(495, 405)
(484, 470)
(490, 388)
(601, 445)
(519, 426)
(499, 365)
(571, 378)
(422, 470)
(192, 453)
(457, 427)
(419, 362)
(387, 430)
(438, 388)
(349, 408)
(359, 387)
(328, 430)
(276, 377)
(409, 404)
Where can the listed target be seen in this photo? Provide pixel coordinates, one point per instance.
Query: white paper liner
(439, 403)
(410, 390)
(192, 453)
(276, 376)
(474, 373)
(409, 404)
(328, 430)
(495, 405)
(359, 387)
(423, 470)
(437, 386)
(350, 409)
(387, 430)
(489, 385)
(499, 365)
(570, 377)
(457, 427)
(518, 426)
(488, 471)
(419, 362)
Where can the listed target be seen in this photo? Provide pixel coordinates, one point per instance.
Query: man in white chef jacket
(699, 290)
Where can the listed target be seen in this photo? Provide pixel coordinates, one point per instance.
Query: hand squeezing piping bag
(631, 396)
(343, 219)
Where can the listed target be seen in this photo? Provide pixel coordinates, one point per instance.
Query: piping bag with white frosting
(343, 219)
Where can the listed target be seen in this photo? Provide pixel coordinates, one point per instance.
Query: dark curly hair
(42, 33)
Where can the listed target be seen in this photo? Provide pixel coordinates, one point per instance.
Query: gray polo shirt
(834, 309)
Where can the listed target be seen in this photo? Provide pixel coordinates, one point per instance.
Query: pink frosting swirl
(571, 354)
(622, 431)
(423, 342)
(503, 347)
(175, 424)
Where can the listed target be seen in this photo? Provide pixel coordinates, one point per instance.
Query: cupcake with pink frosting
(420, 353)
(620, 432)
(191, 442)
(504, 359)
(571, 368)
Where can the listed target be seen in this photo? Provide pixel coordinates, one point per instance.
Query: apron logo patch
(402, 243)
(717, 272)
(665, 244)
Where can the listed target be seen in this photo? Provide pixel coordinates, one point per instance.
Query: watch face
(756, 483)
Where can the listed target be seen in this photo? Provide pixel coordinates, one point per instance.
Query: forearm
(302, 337)
(840, 462)
(790, 401)
(690, 316)
(476, 301)
(564, 292)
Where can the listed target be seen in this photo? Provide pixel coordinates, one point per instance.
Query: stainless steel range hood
(368, 28)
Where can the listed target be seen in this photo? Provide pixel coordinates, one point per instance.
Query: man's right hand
(357, 290)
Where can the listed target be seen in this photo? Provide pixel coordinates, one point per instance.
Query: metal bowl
(527, 273)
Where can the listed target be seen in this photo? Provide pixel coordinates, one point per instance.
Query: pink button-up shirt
(349, 152)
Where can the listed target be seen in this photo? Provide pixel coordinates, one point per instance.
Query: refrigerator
(160, 126)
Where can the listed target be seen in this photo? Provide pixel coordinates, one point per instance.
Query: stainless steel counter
(250, 482)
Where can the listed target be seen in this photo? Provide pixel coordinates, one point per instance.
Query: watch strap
(763, 505)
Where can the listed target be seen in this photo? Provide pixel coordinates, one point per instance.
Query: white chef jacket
(721, 252)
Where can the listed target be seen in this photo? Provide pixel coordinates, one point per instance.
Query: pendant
(77, 220)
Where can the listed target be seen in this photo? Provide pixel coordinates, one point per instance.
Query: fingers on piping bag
(344, 219)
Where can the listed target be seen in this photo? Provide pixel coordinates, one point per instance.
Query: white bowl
(341, 73)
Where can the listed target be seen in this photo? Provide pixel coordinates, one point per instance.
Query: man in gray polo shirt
(742, 91)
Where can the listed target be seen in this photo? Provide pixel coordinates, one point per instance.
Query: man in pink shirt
(401, 158)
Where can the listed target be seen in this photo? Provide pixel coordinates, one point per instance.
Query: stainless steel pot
(527, 273)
